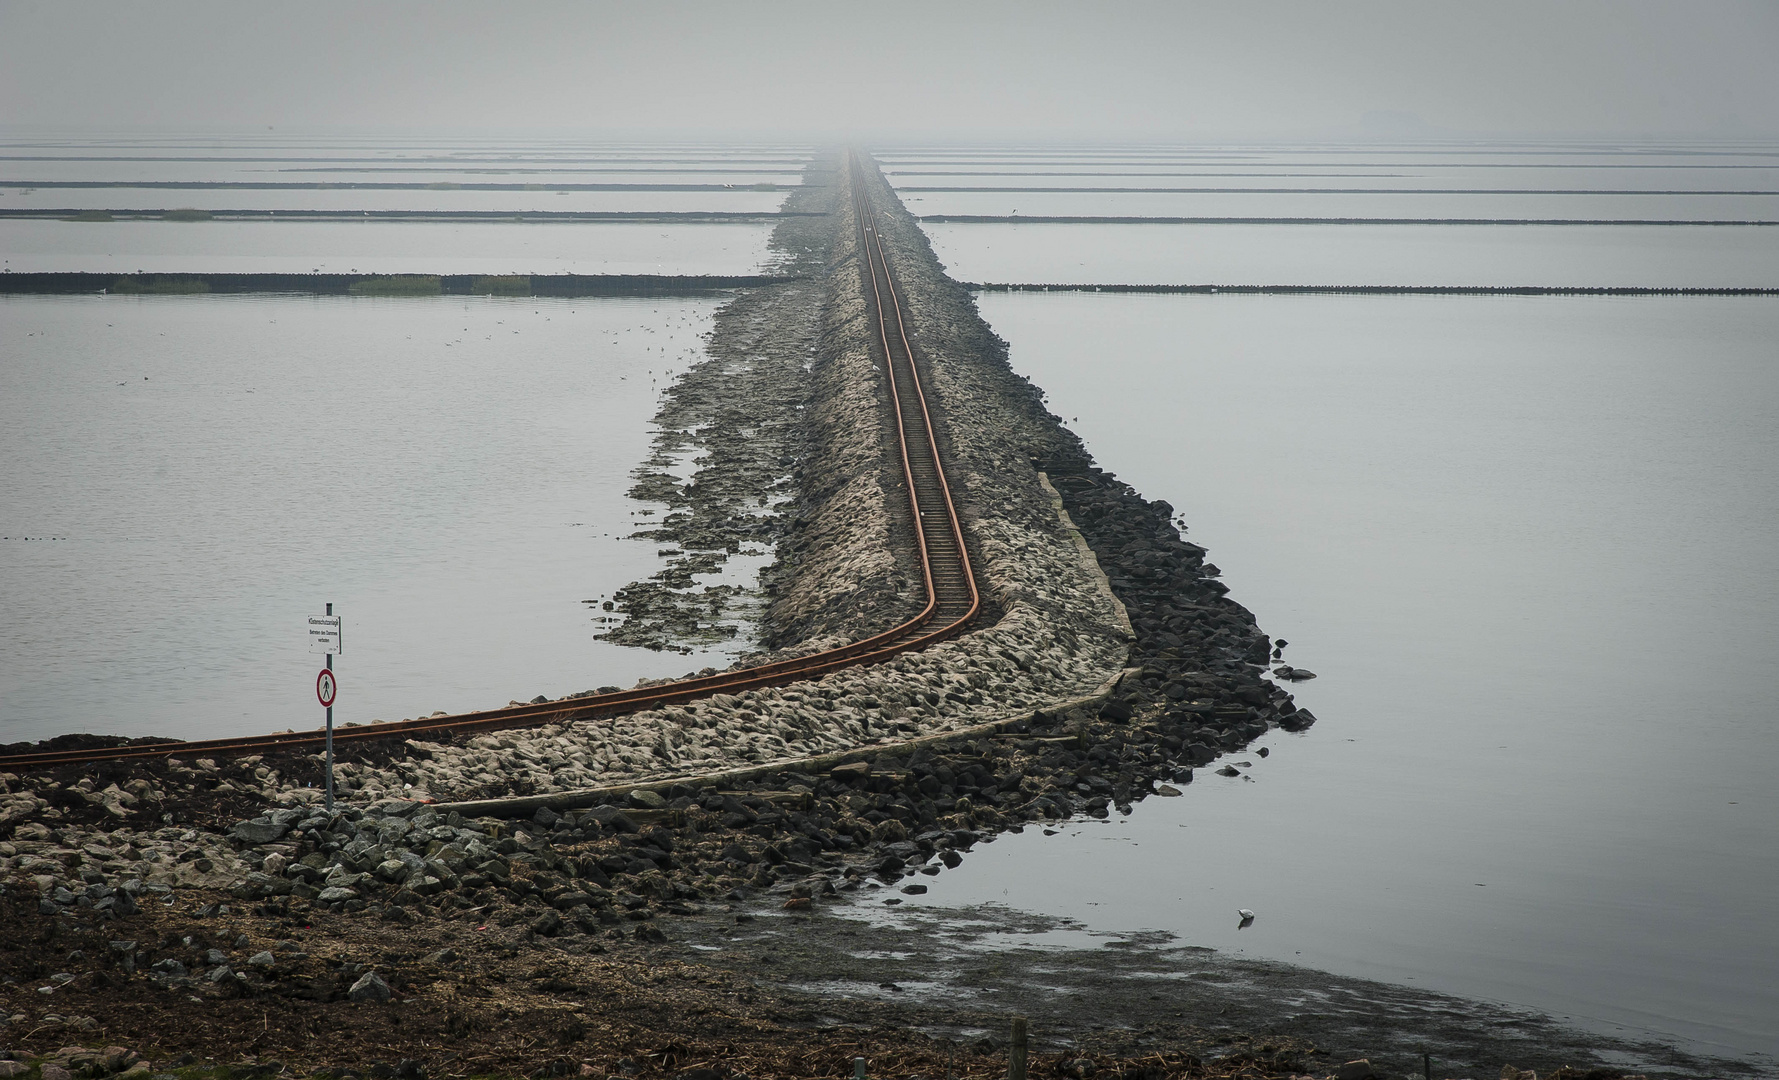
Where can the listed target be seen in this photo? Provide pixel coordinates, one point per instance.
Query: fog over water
(993, 71)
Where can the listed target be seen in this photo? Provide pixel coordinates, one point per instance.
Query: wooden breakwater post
(1016, 1050)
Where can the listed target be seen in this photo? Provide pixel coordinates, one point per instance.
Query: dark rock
(369, 987)
(258, 831)
(1298, 721)
(612, 818)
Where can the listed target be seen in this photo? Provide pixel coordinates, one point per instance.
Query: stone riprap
(732, 446)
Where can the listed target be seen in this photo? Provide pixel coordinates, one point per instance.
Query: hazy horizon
(925, 71)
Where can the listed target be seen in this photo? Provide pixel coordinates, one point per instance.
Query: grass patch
(185, 213)
(765, 187)
(160, 285)
(397, 285)
(91, 215)
(503, 285)
(443, 185)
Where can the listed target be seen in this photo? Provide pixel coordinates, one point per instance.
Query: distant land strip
(683, 217)
(378, 185)
(1255, 157)
(70, 284)
(1410, 290)
(1310, 165)
(540, 169)
(530, 157)
(1034, 219)
(1017, 190)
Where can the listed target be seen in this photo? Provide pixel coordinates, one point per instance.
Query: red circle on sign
(326, 687)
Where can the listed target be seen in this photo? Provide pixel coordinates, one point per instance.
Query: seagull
(1247, 916)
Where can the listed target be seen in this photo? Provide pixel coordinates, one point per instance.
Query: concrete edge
(1088, 559)
(526, 805)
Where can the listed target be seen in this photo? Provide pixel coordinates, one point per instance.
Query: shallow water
(1579, 206)
(1414, 157)
(138, 169)
(190, 477)
(1516, 174)
(416, 247)
(1527, 545)
(381, 247)
(345, 200)
(254, 159)
(1280, 254)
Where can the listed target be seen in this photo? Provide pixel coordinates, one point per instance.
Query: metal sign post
(325, 637)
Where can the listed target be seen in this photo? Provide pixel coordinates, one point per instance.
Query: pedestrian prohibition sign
(325, 687)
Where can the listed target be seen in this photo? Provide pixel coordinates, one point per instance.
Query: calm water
(1541, 206)
(1420, 182)
(31, 175)
(1527, 544)
(189, 477)
(1279, 254)
(347, 200)
(380, 247)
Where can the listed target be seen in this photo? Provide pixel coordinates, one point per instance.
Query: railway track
(953, 599)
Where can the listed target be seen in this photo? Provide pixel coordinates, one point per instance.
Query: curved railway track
(953, 599)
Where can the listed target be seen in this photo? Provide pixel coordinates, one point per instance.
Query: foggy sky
(909, 70)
